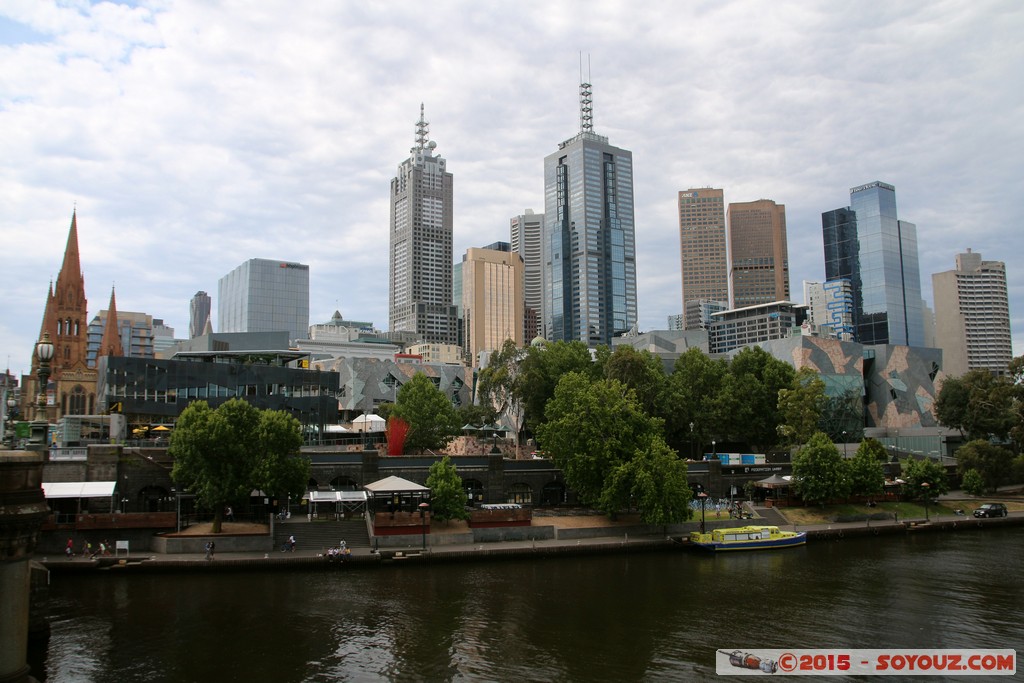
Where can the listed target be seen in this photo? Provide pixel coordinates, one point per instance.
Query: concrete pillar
(22, 512)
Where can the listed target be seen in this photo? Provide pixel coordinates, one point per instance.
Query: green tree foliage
(221, 455)
(924, 471)
(475, 415)
(979, 404)
(749, 400)
(973, 483)
(820, 472)
(541, 370)
(993, 463)
(801, 406)
(593, 428)
(655, 480)
(867, 476)
(691, 397)
(500, 390)
(447, 497)
(432, 418)
(641, 371)
(843, 412)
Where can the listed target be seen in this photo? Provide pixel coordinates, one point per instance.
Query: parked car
(991, 510)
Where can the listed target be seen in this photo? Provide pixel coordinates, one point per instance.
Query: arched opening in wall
(76, 401)
(520, 493)
(343, 483)
(154, 499)
(313, 485)
(474, 489)
(553, 493)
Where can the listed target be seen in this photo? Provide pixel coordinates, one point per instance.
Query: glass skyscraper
(867, 244)
(265, 296)
(588, 243)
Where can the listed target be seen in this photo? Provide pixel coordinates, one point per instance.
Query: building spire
(111, 345)
(586, 100)
(422, 130)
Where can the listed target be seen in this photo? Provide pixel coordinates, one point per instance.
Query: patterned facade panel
(366, 383)
(902, 385)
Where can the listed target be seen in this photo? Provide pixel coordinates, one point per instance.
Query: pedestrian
(210, 546)
(291, 544)
(343, 546)
(230, 514)
(69, 549)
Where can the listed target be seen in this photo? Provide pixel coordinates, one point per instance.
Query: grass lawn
(905, 510)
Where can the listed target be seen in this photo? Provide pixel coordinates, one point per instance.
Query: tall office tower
(830, 307)
(133, 330)
(198, 314)
(702, 247)
(492, 300)
(588, 248)
(265, 296)
(868, 245)
(420, 270)
(972, 316)
(526, 230)
(759, 258)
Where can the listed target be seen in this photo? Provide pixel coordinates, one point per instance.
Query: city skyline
(187, 151)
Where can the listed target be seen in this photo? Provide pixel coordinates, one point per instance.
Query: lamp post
(423, 522)
(703, 497)
(12, 404)
(177, 509)
(693, 446)
(714, 450)
(124, 505)
(846, 448)
(926, 486)
(41, 424)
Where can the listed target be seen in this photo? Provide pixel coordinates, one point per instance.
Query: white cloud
(196, 135)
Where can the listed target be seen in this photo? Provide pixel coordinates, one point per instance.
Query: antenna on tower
(586, 100)
(422, 130)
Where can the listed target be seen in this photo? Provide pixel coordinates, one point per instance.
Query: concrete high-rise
(265, 296)
(420, 264)
(492, 300)
(868, 245)
(526, 231)
(702, 247)
(198, 314)
(972, 316)
(588, 248)
(758, 255)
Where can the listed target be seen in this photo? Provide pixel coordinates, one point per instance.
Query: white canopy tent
(369, 423)
(78, 489)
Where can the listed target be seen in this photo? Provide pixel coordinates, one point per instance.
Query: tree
(432, 419)
(447, 497)
(655, 480)
(500, 390)
(221, 455)
(592, 428)
(801, 406)
(641, 371)
(924, 471)
(978, 404)
(540, 372)
(691, 397)
(749, 400)
(820, 472)
(993, 463)
(867, 476)
(973, 483)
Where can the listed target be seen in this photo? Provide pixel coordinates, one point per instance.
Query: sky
(194, 135)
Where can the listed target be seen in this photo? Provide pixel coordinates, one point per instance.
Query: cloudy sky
(195, 135)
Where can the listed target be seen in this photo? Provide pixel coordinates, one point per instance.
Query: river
(636, 617)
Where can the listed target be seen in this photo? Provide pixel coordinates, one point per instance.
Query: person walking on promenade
(69, 549)
(291, 544)
(210, 547)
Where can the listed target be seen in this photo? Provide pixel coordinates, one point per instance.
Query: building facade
(263, 295)
(526, 232)
(135, 332)
(420, 264)
(198, 314)
(740, 327)
(830, 308)
(868, 245)
(492, 300)
(589, 251)
(972, 316)
(703, 247)
(758, 253)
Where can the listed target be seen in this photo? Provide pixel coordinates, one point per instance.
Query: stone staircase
(319, 535)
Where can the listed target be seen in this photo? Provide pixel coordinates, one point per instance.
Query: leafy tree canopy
(432, 418)
(924, 471)
(692, 398)
(801, 406)
(819, 471)
(641, 371)
(447, 497)
(500, 388)
(655, 481)
(867, 475)
(221, 455)
(541, 370)
(979, 404)
(993, 463)
(749, 400)
(973, 483)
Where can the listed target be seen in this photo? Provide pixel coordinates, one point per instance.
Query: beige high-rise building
(492, 300)
(972, 316)
(758, 256)
(702, 246)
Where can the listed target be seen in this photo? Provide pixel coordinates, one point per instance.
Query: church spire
(111, 345)
(64, 316)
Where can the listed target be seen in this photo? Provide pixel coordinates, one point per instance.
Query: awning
(337, 496)
(394, 485)
(78, 489)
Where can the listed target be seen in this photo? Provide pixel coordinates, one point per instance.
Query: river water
(642, 617)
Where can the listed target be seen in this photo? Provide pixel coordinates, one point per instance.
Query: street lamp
(41, 424)
(423, 522)
(846, 448)
(124, 505)
(714, 450)
(926, 486)
(693, 445)
(703, 497)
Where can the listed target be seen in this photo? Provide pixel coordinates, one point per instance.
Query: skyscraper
(867, 244)
(492, 300)
(198, 314)
(759, 257)
(972, 316)
(265, 296)
(702, 248)
(526, 230)
(420, 270)
(588, 248)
